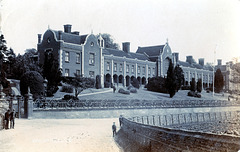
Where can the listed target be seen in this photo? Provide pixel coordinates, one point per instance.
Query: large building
(86, 55)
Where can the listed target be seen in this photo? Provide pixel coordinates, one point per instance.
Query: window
(66, 72)
(127, 69)
(115, 67)
(78, 58)
(67, 59)
(91, 74)
(78, 72)
(149, 71)
(139, 70)
(91, 59)
(153, 71)
(108, 66)
(120, 68)
(92, 44)
(132, 68)
(143, 70)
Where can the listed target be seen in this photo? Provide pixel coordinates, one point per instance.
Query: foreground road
(59, 135)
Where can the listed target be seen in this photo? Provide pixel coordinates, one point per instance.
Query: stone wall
(3, 108)
(139, 137)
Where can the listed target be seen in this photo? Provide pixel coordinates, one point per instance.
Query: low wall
(115, 113)
(139, 137)
(3, 108)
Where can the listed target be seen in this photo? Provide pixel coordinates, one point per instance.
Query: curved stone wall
(140, 137)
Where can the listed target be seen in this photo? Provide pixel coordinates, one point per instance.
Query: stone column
(28, 105)
(208, 80)
(82, 55)
(136, 72)
(189, 78)
(112, 72)
(146, 73)
(124, 74)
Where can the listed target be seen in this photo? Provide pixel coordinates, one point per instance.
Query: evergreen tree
(80, 83)
(179, 77)
(24, 63)
(109, 41)
(6, 57)
(199, 85)
(52, 73)
(98, 82)
(193, 85)
(34, 80)
(218, 81)
(171, 80)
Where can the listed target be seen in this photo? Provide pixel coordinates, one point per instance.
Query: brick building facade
(86, 55)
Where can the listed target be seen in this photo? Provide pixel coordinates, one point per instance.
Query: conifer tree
(171, 80)
(218, 81)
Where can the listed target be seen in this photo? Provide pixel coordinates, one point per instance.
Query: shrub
(133, 90)
(199, 85)
(135, 83)
(107, 84)
(185, 87)
(193, 85)
(98, 82)
(191, 93)
(68, 97)
(67, 89)
(33, 80)
(194, 94)
(121, 90)
(156, 84)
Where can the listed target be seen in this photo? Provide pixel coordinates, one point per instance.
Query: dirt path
(51, 135)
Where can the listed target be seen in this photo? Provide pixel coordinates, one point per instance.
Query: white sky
(193, 27)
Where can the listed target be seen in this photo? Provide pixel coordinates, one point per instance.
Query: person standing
(6, 118)
(120, 120)
(12, 119)
(114, 128)
(114, 89)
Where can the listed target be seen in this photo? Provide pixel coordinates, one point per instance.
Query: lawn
(142, 94)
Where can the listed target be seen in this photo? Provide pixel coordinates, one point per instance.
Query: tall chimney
(39, 38)
(189, 59)
(219, 61)
(60, 35)
(201, 61)
(67, 28)
(126, 47)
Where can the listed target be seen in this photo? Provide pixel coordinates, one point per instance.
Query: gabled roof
(151, 50)
(195, 65)
(71, 38)
(121, 53)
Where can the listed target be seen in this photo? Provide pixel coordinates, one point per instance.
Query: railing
(185, 118)
(127, 104)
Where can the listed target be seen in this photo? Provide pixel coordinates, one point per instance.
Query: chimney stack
(189, 59)
(67, 28)
(39, 38)
(219, 61)
(201, 61)
(126, 47)
(60, 35)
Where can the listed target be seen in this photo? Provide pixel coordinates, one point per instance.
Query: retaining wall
(3, 108)
(139, 137)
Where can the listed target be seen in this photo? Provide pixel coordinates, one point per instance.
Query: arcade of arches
(119, 79)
